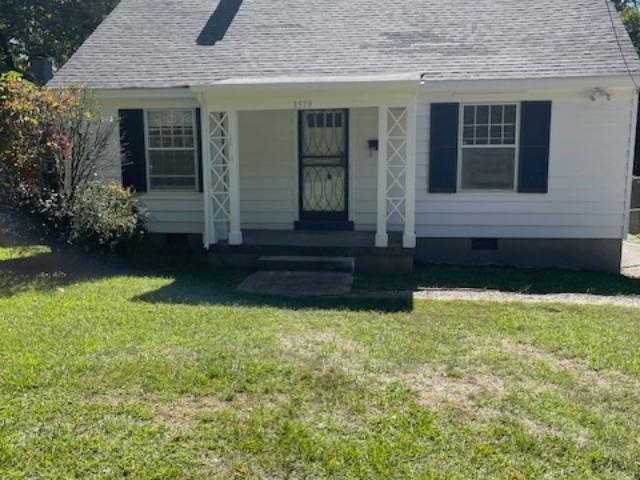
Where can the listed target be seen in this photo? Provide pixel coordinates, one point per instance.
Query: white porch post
(409, 237)
(209, 236)
(235, 234)
(382, 237)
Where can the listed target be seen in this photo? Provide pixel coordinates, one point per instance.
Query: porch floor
(305, 238)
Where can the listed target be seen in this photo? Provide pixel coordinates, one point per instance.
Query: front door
(323, 145)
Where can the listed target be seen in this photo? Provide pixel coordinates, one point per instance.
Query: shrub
(53, 147)
(106, 216)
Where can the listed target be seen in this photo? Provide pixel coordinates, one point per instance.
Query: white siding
(363, 127)
(587, 173)
(268, 198)
(174, 212)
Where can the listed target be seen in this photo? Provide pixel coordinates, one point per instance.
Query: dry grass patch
(434, 388)
(182, 412)
(597, 381)
(325, 350)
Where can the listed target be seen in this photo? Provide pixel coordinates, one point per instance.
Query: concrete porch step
(299, 263)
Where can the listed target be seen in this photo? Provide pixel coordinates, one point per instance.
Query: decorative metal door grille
(323, 164)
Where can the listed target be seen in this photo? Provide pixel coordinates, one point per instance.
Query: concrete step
(298, 263)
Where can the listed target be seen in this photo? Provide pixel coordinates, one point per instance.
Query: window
(171, 151)
(489, 147)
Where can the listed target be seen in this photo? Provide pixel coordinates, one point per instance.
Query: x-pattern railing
(396, 162)
(219, 165)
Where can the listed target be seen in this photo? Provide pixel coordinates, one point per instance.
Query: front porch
(269, 173)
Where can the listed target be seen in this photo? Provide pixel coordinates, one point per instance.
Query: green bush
(53, 144)
(106, 217)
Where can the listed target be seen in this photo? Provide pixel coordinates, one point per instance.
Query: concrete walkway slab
(298, 284)
(631, 259)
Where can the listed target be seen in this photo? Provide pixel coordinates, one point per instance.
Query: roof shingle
(154, 43)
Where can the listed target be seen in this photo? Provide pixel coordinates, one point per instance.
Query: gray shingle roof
(154, 43)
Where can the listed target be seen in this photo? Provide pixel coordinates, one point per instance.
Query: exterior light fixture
(599, 93)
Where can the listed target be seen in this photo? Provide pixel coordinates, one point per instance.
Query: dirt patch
(325, 351)
(182, 412)
(313, 341)
(434, 388)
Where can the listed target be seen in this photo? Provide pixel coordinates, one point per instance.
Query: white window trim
(461, 147)
(148, 148)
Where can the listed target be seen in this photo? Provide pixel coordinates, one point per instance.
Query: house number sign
(302, 104)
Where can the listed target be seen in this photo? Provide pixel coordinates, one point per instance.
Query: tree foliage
(54, 147)
(630, 15)
(51, 28)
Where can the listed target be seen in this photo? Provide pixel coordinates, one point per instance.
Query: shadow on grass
(199, 291)
(519, 280)
(193, 283)
(56, 269)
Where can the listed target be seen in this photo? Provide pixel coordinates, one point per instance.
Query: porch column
(235, 234)
(409, 237)
(209, 236)
(382, 237)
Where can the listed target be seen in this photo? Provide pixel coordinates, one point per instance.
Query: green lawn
(126, 370)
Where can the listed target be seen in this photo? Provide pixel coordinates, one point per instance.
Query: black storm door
(323, 144)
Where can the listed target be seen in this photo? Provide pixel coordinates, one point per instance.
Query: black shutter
(134, 168)
(443, 151)
(199, 147)
(535, 133)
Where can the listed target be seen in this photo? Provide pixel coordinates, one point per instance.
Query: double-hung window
(489, 147)
(171, 152)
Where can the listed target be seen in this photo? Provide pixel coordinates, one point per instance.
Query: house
(471, 131)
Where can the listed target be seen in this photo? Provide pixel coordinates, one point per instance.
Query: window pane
(172, 169)
(496, 135)
(173, 183)
(496, 114)
(155, 141)
(469, 115)
(482, 115)
(509, 134)
(482, 135)
(468, 136)
(510, 114)
(154, 119)
(488, 168)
